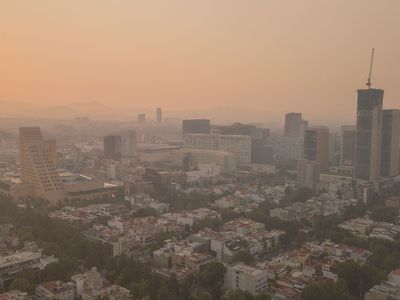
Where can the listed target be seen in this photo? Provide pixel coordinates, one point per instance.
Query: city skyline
(199, 150)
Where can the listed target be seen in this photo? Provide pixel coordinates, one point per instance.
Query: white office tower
(239, 145)
(308, 174)
(128, 143)
(193, 157)
(37, 165)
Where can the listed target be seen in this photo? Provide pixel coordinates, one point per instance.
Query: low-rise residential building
(275, 270)
(117, 292)
(188, 218)
(326, 204)
(387, 290)
(259, 241)
(125, 235)
(367, 228)
(243, 226)
(353, 253)
(15, 188)
(180, 255)
(55, 290)
(29, 257)
(358, 226)
(14, 295)
(90, 285)
(140, 201)
(242, 201)
(393, 202)
(246, 278)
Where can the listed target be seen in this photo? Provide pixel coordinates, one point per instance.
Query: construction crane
(369, 83)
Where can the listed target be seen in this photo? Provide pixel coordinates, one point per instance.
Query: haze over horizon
(226, 60)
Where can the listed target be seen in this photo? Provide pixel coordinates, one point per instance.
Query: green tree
(326, 291)
(243, 256)
(140, 289)
(359, 278)
(212, 279)
(21, 284)
(29, 274)
(240, 295)
(204, 296)
(262, 297)
(383, 214)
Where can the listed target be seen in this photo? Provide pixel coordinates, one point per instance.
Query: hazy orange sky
(257, 57)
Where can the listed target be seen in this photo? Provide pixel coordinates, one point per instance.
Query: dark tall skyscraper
(295, 126)
(292, 124)
(112, 146)
(369, 129)
(390, 142)
(196, 126)
(316, 146)
(348, 144)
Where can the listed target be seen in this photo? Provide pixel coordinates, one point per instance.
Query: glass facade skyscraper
(369, 130)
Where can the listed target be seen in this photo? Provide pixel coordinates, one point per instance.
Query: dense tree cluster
(295, 195)
(382, 213)
(354, 281)
(75, 253)
(327, 291)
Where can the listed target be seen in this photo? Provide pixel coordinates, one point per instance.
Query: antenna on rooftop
(369, 83)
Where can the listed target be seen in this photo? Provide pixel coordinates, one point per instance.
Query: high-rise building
(38, 165)
(288, 148)
(51, 147)
(193, 157)
(390, 142)
(369, 130)
(142, 118)
(158, 115)
(196, 126)
(128, 143)
(316, 146)
(239, 145)
(295, 126)
(334, 149)
(308, 173)
(348, 145)
(292, 124)
(261, 151)
(200, 141)
(303, 128)
(255, 132)
(112, 146)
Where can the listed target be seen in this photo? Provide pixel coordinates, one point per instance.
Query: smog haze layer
(226, 60)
